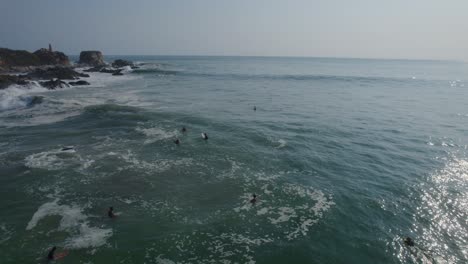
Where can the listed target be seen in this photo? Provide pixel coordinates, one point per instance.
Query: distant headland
(53, 69)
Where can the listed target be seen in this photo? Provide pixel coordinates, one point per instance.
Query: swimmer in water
(205, 136)
(177, 141)
(51, 254)
(110, 212)
(184, 130)
(254, 199)
(408, 242)
(255, 108)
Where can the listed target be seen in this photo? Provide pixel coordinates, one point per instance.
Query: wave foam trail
(74, 221)
(156, 134)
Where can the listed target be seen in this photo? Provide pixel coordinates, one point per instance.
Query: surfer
(204, 136)
(184, 130)
(177, 141)
(255, 108)
(408, 242)
(110, 212)
(55, 256)
(51, 254)
(254, 199)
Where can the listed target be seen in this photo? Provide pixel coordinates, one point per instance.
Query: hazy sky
(421, 29)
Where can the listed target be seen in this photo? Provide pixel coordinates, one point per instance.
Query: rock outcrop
(48, 57)
(23, 61)
(121, 63)
(13, 58)
(62, 73)
(92, 58)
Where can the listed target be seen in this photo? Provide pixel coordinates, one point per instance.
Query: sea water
(347, 157)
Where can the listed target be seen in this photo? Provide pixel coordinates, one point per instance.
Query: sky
(397, 29)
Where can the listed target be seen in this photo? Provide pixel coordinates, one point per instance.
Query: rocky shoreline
(52, 69)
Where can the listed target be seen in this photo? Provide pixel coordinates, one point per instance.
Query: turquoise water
(347, 158)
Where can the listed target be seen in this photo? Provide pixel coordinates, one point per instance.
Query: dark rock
(7, 80)
(83, 75)
(63, 73)
(54, 84)
(121, 63)
(48, 57)
(117, 73)
(79, 83)
(91, 57)
(135, 67)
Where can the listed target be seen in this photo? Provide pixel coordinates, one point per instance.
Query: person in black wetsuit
(254, 199)
(255, 108)
(409, 242)
(51, 256)
(184, 130)
(110, 212)
(177, 141)
(205, 136)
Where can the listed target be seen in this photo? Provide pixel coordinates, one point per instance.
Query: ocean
(347, 157)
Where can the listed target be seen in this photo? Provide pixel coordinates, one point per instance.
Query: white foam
(70, 215)
(17, 96)
(73, 221)
(156, 134)
(51, 160)
(282, 143)
(101, 79)
(89, 237)
(285, 213)
(153, 166)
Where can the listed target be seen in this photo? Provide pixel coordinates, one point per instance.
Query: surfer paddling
(51, 254)
(110, 212)
(254, 199)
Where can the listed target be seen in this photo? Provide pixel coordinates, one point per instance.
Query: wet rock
(63, 73)
(54, 84)
(121, 63)
(78, 83)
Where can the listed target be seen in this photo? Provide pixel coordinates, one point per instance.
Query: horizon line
(284, 56)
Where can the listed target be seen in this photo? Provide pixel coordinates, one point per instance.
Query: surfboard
(60, 255)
